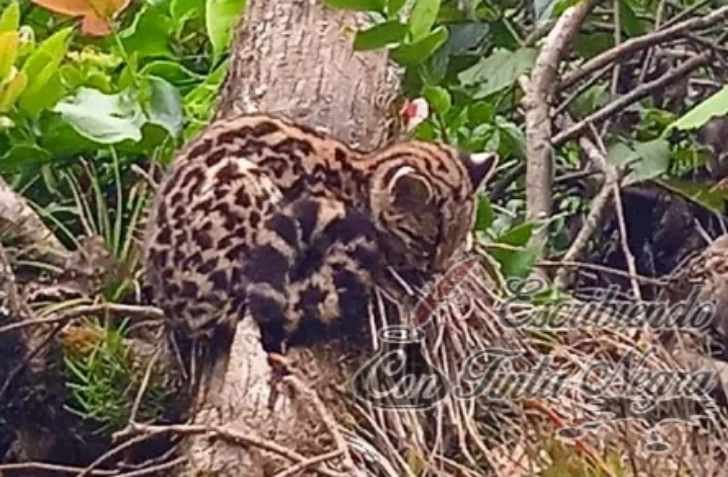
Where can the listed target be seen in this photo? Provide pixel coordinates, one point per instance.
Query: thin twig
(65, 469)
(326, 418)
(301, 466)
(226, 434)
(145, 383)
(113, 309)
(635, 95)
(633, 45)
(155, 468)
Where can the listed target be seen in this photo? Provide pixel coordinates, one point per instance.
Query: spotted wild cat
(262, 216)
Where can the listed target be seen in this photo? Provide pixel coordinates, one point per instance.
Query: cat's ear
(408, 189)
(480, 166)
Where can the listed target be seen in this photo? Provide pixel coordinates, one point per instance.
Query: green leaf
(716, 105)
(655, 159)
(707, 195)
(165, 106)
(394, 6)
(8, 53)
(361, 5)
(103, 118)
(171, 71)
(41, 69)
(517, 236)
(412, 54)
(11, 91)
(589, 100)
(439, 98)
(220, 18)
(23, 155)
(149, 32)
(516, 262)
(631, 24)
(422, 18)
(380, 35)
(180, 10)
(498, 71)
(513, 141)
(587, 45)
(484, 216)
(59, 137)
(10, 18)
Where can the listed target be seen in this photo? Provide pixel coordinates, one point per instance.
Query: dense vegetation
(95, 99)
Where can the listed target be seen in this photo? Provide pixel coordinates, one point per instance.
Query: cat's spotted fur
(262, 216)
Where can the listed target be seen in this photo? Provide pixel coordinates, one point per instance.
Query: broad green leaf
(468, 38)
(41, 69)
(422, 18)
(591, 44)
(165, 106)
(516, 262)
(412, 54)
(380, 35)
(10, 18)
(103, 118)
(11, 91)
(513, 139)
(171, 71)
(481, 112)
(517, 236)
(149, 32)
(180, 10)
(594, 97)
(59, 137)
(23, 155)
(649, 159)
(655, 159)
(716, 105)
(709, 196)
(619, 154)
(361, 5)
(220, 18)
(439, 98)
(8, 53)
(394, 6)
(631, 24)
(498, 71)
(484, 216)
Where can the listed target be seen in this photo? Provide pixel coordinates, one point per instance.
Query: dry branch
(539, 93)
(642, 91)
(635, 44)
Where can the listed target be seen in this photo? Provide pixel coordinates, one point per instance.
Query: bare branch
(539, 92)
(635, 44)
(672, 75)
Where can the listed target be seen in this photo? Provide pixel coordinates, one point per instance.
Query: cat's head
(423, 199)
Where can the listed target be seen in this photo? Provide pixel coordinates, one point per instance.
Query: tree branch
(539, 92)
(672, 75)
(635, 44)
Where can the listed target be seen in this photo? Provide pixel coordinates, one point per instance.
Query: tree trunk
(293, 58)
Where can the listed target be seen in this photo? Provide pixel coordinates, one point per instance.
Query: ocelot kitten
(262, 216)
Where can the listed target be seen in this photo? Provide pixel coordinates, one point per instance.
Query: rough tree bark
(294, 58)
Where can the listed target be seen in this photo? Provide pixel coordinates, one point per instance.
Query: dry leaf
(97, 14)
